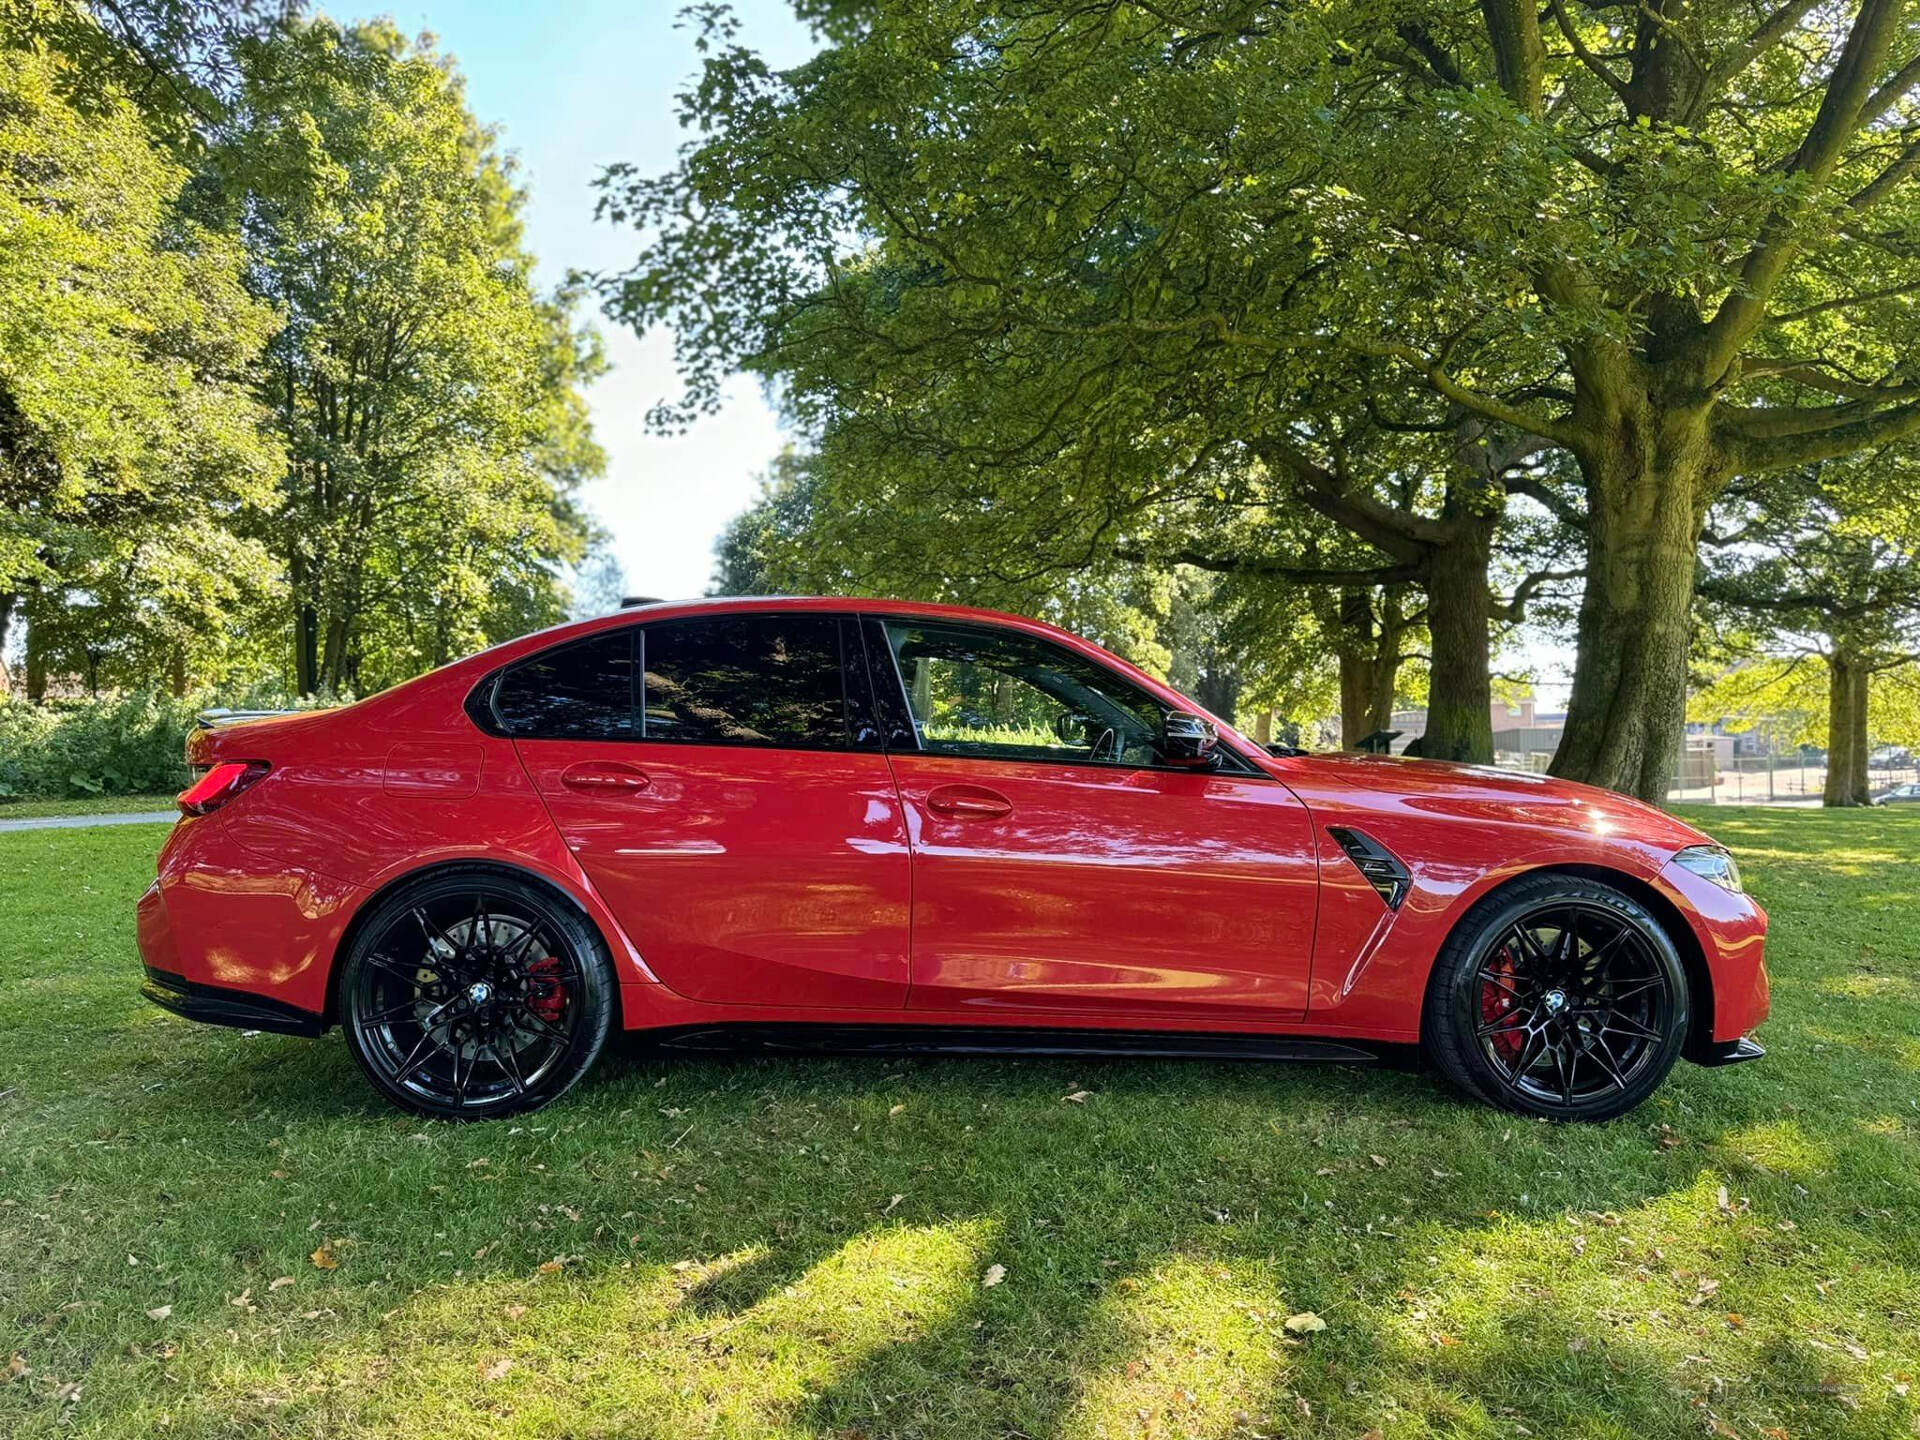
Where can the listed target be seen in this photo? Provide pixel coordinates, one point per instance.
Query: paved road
(76, 822)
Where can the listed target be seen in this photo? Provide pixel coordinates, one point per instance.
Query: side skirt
(788, 1039)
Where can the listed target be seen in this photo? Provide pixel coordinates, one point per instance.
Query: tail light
(219, 785)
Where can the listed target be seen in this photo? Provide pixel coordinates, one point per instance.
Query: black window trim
(1244, 769)
(856, 695)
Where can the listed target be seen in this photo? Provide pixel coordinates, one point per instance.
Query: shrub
(131, 744)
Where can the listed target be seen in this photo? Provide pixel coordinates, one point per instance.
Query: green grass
(92, 805)
(801, 1247)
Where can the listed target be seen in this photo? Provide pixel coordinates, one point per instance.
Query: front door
(741, 826)
(1060, 866)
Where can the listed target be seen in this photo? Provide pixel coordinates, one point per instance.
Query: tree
(1839, 585)
(129, 437)
(171, 59)
(1670, 240)
(428, 396)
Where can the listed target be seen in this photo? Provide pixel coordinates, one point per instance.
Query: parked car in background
(819, 822)
(1899, 795)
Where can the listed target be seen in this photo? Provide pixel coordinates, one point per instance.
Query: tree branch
(1267, 567)
(1829, 444)
(1741, 313)
(1586, 57)
(1515, 610)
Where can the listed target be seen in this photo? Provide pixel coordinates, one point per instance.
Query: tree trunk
(1385, 672)
(9, 602)
(1459, 610)
(1647, 489)
(306, 631)
(1849, 680)
(36, 649)
(1355, 640)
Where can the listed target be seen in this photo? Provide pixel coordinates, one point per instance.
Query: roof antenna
(630, 601)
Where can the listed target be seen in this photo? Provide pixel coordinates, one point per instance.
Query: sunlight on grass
(1199, 1349)
(1782, 1146)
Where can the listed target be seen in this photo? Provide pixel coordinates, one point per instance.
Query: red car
(834, 822)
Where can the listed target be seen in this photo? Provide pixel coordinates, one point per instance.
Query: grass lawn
(203, 1233)
(91, 805)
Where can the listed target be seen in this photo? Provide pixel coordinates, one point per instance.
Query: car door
(729, 802)
(1059, 864)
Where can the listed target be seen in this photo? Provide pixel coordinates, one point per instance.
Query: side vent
(1380, 865)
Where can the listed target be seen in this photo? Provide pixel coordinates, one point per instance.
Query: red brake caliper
(1495, 1001)
(548, 999)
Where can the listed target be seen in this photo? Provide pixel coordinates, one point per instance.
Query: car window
(745, 680)
(1001, 694)
(581, 691)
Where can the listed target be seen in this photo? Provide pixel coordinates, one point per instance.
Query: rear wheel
(473, 994)
(1558, 996)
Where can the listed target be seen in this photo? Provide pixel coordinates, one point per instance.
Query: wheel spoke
(1602, 1054)
(1564, 1067)
(1513, 1020)
(1529, 1055)
(504, 1057)
(1614, 1020)
(1487, 977)
(407, 974)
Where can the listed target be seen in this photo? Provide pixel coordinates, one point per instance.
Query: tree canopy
(1084, 257)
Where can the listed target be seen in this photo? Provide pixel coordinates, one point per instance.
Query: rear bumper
(213, 1005)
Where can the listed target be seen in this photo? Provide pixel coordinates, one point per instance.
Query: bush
(132, 744)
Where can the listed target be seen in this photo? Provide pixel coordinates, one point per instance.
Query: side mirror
(1071, 727)
(1187, 740)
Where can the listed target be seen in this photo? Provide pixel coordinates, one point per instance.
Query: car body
(1900, 795)
(882, 839)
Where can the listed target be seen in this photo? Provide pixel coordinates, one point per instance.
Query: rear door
(1059, 865)
(730, 802)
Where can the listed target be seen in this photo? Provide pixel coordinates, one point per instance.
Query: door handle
(972, 802)
(604, 777)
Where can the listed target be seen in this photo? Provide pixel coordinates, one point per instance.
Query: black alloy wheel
(474, 994)
(1558, 996)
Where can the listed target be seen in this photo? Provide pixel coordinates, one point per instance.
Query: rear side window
(582, 691)
(746, 680)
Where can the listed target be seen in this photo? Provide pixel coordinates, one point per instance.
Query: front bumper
(1729, 1052)
(214, 1005)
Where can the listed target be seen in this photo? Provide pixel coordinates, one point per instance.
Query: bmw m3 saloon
(818, 823)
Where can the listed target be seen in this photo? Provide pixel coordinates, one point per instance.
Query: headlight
(1710, 862)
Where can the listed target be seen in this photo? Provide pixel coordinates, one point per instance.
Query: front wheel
(1557, 996)
(472, 994)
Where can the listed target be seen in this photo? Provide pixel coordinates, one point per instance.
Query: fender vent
(1380, 865)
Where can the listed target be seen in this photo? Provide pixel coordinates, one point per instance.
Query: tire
(471, 994)
(1557, 996)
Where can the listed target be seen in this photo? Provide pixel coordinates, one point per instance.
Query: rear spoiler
(214, 719)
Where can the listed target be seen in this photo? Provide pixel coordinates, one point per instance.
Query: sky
(572, 87)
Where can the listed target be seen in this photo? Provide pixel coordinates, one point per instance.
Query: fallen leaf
(1736, 1319)
(69, 1393)
(514, 1312)
(552, 1267)
(497, 1369)
(1305, 1323)
(1576, 1344)
(1379, 1160)
(325, 1259)
(160, 1312)
(1717, 1426)
(281, 1283)
(1078, 1097)
(17, 1368)
(995, 1274)
(891, 1203)
(896, 1109)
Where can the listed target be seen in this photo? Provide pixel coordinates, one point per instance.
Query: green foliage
(132, 743)
(129, 437)
(428, 396)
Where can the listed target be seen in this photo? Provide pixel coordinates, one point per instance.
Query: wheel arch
(1693, 957)
(433, 869)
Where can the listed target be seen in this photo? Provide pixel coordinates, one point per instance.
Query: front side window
(581, 691)
(746, 680)
(1000, 694)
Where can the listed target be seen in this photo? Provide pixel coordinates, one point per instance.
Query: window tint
(582, 691)
(746, 680)
(1001, 694)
